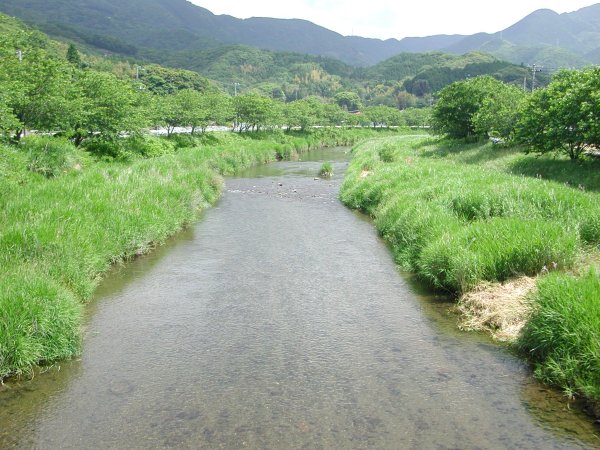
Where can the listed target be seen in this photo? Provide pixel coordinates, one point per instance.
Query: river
(280, 321)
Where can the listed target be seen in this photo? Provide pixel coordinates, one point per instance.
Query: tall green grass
(457, 215)
(562, 338)
(65, 219)
(456, 224)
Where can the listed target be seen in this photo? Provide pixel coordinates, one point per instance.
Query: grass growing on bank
(458, 224)
(562, 336)
(66, 217)
(461, 214)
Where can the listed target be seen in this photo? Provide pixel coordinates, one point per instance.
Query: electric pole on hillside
(534, 69)
(235, 88)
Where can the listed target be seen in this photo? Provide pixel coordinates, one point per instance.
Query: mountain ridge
(541, 36)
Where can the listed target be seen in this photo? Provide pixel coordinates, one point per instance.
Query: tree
(416, 117)
(111, 107)
(459, 102)
(564, 117)
(405, 100)
(305, 113)
(73, 56)
(499, 112)
(350, 101)
(383, 116)
(219, 106)
(40, 92)
(162, 80)
(253, 111)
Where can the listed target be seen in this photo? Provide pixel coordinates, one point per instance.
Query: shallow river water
(280, 321)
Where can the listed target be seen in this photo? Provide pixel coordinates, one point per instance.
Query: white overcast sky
(395, 18)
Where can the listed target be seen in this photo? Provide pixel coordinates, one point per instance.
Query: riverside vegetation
(460, 214)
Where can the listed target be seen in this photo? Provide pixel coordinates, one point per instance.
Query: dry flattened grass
(502, 309)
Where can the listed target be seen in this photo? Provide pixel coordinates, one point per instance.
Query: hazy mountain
(177, 25)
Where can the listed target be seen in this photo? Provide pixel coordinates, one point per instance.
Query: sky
(395, 18)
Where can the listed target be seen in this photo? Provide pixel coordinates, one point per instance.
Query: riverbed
(279, 320)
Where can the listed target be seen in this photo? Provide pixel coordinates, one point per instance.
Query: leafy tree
(111, 107)
(254, 111)
(8, 121)
(417, 117)
(302, 113)
(73, 56)
(565, 117)
(405, 100)
(458, 104)
(162, 80)
(350, 101)
(499, 112)
(383, 116)
(331, 114)
(39, 91)
(219, 106)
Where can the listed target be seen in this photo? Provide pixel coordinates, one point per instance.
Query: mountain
(544, 36)
(180, 25)
(134, 26)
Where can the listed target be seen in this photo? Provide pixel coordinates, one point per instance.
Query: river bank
(468, 218)
(61, 232)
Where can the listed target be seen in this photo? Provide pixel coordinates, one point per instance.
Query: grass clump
(562, 337)
(52, 156)
(326, 170)
(496, 250)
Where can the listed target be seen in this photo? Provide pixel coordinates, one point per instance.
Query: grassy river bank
(514, 237)
(66, 218)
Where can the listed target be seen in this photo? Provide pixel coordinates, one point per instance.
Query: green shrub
(326, 170)
(52, 156)
(105, 148)
(184, 140)
(562, 337)
(148, 146)
(387, 153)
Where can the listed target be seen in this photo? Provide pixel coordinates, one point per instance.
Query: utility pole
(534, 69)
(525, 84)
(235, 86)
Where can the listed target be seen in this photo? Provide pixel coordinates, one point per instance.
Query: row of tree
(62, 95)
(563, 117)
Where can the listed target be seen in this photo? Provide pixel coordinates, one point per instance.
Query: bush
(562, 338)
(326, 170)
(148, 147)
(387, 153)
(52, 156)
